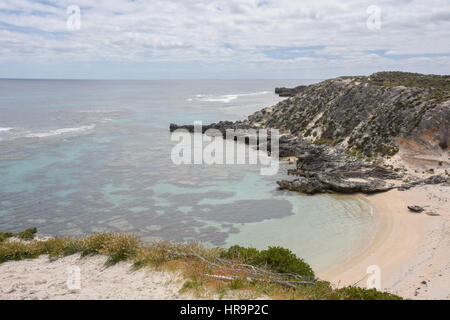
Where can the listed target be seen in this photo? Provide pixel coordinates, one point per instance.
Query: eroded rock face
(365, 115)
(321, 170)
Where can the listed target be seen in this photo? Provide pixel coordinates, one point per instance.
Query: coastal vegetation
(274, 273)
(276, 258)
(24, 235)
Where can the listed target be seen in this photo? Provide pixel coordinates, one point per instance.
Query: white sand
(41, 279)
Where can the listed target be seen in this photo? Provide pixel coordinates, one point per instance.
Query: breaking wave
(57, 132)
(226, 98)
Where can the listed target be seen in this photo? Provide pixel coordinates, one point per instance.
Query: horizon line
(159, 79)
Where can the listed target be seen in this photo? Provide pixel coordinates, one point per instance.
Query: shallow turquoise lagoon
(95, 156)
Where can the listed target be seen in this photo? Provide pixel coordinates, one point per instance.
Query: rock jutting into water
(341, 130)
(289, 92)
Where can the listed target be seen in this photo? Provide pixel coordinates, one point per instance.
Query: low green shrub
(5, 235)
(357, 293)
(246, 255)
(27, 234)
(275, 258)
(24, 235)
(283, 260)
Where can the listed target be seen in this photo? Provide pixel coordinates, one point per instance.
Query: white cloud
(232, 32)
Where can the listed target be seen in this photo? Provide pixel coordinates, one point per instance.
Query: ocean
(85, 156)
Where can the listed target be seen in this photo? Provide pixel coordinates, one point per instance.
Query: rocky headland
(359, 134)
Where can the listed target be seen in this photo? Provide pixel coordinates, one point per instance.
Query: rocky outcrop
(325, 170)
(222, 126)
(436, 179)
(240, 131)
(319, 168)
(340, 129)
(417, 209)
(326, 183)
(366, 115)
(289, 92)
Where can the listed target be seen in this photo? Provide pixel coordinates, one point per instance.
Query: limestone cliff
(366, 115)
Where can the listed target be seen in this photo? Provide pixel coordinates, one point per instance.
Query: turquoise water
(78, 157)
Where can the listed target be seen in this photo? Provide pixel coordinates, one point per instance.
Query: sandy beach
(412, 250)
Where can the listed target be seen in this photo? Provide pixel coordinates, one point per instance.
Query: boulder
(417, 209)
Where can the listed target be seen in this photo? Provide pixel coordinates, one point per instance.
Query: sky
(215, 39)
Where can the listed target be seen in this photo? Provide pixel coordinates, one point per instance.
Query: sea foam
(59, 132)
(226, 98)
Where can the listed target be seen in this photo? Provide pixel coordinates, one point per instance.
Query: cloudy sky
(283, 39)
